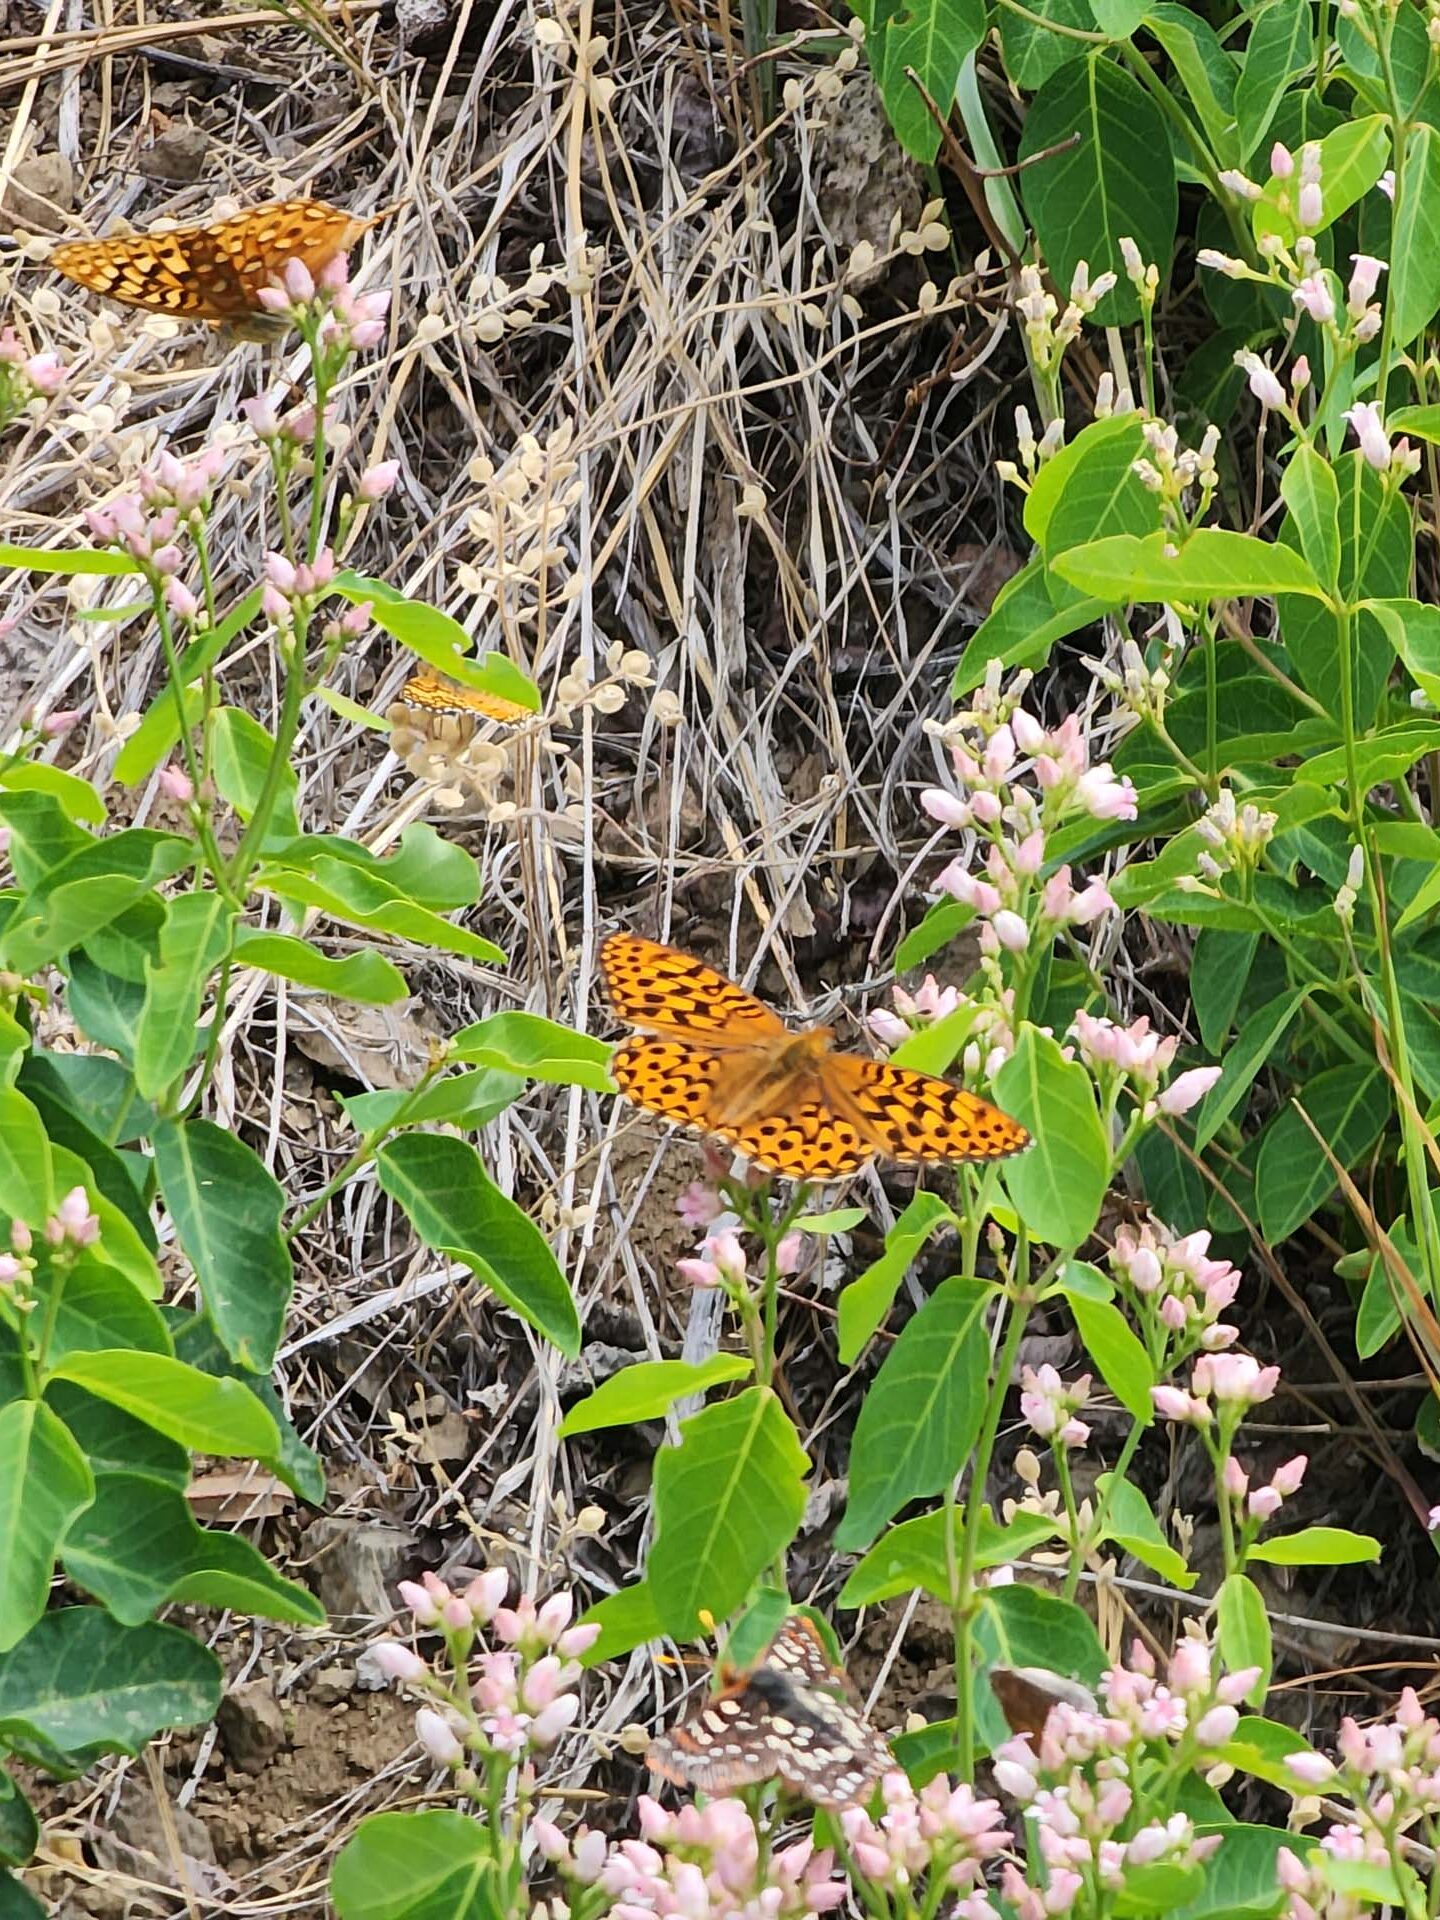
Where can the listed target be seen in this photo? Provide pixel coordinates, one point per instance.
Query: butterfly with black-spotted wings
(792, 1717)
(712, 1057)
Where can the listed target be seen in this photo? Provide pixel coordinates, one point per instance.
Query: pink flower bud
(1011, 931)
(21, 1238)
(1282, 161)
(590, 1850)
(541, 1684)
(1314, 295)
(437, 1737)
(945, 807)
(175, 784)
(261, 415)
(986, 807)
(1286, 1480)
(1364, 417)
(1311, 209)
(1188, 1090)
(547, 1727)
(789, 1252)
(54, 725)
(180, 600)
(1262, 382)
(10, 1269)
(280, 572)
(576, 1641)
(1363, 282)
(1313, 1769)
(397, 1661)
(1264, 1503)
(549, 1839)
(1029, 856)
(299, 282)
(455, 1616)
(485, 1593)
(377, 481)
(419, 1602)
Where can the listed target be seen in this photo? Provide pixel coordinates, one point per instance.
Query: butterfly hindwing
(791, 1718)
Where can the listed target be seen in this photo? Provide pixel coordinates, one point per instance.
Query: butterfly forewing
(212, 272)
(666, 991)
(790, 1719)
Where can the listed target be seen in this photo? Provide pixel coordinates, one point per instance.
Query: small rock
(596, 1364)
(332, 1684)
(40, 193)
(176, 154)
(356, 1565)
(370, 1677)
(252, 1725)
(424, 25)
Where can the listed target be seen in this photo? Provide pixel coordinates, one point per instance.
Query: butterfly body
(792, 1717)
(215, 271)
(712, 1057)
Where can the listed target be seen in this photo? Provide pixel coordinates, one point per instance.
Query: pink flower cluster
(1076, 1781)
(521, 1701)
(1143, 1058)
(72, 1225)
(942, 1832)
(1391, 1774)
(349, 322)
(1050, 1406)
(994, 747)
(1262, 1503)
(297, 428)
(1177, 1283)
(1223, 1383)
(168, 496)
(721, 1261)
(913, 1011)
(704, 1863)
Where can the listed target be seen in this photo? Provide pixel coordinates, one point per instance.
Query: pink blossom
(486, 1594)
(1282, 161)
(10, 1269)
(1262, 381)
(699, 1205)
(1029, 856)
(76, 1222)
(554, 1616)
(1187, 1090)
(261, 416)
(420, 1602)
(1104, 797)
(1311, 208)
(576, 1641)
(1286, 1480)
(1235, 1379)
(437, 1737)
(1029, 735)
(1313, 1769)
(1217, 1726)
(1365, 418)
(547, 1726)
(1010, 930)
(175, 784)
(281, 573)
(1171, 1403)
(945, 807)
(180, 600)
(888, 1028)
(1363, 282)
(397, 1661)
(789, 1253)
(986, 807)
(56, 724)
(377, 481)
(45, 372)
(1314, 296)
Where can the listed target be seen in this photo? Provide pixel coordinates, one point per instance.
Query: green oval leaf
(1317, 1547)
(923, 1410)
(1117, 182)
(457, 1209)
(44, 1483)
(226, 1207)
(728, 1501)
(434, 1864)
(1057, 1186)
(868, 1298)
(648, 1389)
(204, 1414)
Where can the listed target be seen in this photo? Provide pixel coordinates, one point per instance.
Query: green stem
(369, 1146)
(253, 838)
(962, 1593)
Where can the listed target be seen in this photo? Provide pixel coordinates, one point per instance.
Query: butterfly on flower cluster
(792, 1717)
(212, 272)
(713, 1058)
(428, 693)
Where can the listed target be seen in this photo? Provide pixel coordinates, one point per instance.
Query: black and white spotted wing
(791, 1718)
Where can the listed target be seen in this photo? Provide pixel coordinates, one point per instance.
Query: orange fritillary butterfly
(713, 1058)
(792, 1717)
(431, 694)
(212, 272)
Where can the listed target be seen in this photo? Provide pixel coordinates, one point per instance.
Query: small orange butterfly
(713, 1058)
(212, 272)
(430, 694)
